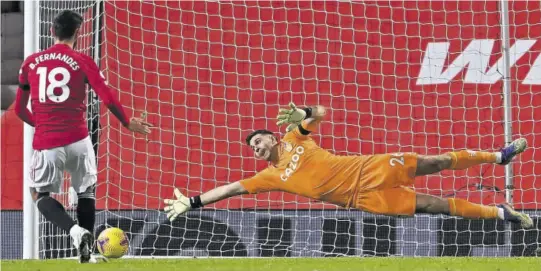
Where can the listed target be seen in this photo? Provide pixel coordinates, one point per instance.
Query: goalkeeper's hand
(176, 207)
(292, 116)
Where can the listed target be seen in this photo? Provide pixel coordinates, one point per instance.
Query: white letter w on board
(474, 59)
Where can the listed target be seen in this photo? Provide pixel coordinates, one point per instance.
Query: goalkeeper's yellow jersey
(306, 169)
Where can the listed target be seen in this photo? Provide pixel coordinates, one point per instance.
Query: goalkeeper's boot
(513, 216)
(512, 150)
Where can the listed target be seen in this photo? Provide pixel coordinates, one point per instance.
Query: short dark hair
(257, 132)
(66, 23)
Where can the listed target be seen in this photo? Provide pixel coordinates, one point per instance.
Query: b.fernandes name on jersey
(55, 56)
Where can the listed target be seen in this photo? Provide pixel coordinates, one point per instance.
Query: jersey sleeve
(296, 134)
(23, 77)
(23, 95)
(96, 79)
(261, 182)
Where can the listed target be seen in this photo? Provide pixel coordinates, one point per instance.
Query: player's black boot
(83, 240)
(85, 247)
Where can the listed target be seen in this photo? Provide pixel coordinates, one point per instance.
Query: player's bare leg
(429, 164)
(458, 207)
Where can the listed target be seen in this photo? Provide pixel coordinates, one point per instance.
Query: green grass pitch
(286, 264)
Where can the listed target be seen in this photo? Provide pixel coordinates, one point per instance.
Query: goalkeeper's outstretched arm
(222, 192)
(181, 204)
(312, 120)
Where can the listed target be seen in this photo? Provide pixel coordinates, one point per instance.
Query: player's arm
(21, 108)
(98, 83)
(21, 100)
(306, 119)
(182, 204)
(261, 182)
(314, 116)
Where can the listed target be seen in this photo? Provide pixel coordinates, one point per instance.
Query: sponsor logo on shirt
(293, 164)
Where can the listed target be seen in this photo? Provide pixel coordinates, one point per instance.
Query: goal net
(425, 77)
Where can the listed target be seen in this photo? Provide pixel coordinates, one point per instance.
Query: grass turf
(285, 264)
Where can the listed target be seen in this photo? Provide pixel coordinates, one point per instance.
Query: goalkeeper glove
(176, 207)
(293, 116)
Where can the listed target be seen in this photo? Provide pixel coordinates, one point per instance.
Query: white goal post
(30, 219)
(398, 76)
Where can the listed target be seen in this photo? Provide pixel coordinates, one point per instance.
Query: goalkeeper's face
(263, 146)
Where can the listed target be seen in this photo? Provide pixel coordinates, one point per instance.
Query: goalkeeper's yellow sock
(466, 209)
(465, 159)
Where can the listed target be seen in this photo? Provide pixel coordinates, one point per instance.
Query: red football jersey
(56, 79)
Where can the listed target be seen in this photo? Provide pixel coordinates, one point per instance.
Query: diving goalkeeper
(373, 183)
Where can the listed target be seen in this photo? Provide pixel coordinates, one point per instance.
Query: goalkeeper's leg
(429, 164)
(458, 207)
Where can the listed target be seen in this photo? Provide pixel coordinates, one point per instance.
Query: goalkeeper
(373, 183)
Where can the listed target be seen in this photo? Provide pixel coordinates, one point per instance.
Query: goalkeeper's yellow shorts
(383, 188)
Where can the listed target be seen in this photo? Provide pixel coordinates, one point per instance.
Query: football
(112, 243)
